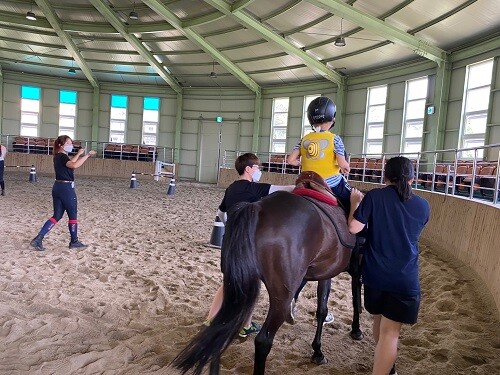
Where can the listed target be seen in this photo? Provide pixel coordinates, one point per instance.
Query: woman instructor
(63, 191)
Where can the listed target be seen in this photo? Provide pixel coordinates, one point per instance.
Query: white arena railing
(471, 173)
(105, 150)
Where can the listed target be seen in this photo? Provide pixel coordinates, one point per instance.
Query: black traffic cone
(33, 174)
(133, 181)
(217, 232)
(171, 187)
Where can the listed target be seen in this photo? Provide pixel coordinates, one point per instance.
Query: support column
(1, 101)
(340, 102)
(257, 121)
(434, 138)
(95, 114)
(178, 127)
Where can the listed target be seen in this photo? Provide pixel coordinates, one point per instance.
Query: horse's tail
(241, 289)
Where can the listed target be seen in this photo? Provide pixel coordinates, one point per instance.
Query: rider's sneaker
(254, 328)
(77, 245)
(329, 319)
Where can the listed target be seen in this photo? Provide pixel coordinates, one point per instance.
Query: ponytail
(399, 171)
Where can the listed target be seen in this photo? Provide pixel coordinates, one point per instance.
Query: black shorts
(398, 307)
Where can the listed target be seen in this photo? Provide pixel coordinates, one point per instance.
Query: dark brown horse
(281, 240)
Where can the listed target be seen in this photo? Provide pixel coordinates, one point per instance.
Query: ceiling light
(340, 41)
(30, 16)
(133, 15)
(212, 73)
(71, 71)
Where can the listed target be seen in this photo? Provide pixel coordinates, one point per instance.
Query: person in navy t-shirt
(63, 192)
(394, 218)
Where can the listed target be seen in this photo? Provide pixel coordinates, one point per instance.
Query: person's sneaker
(290, 318)
(329, 319)
(77, 245)
(37, 243)
(3, 192)
(207, 322)
(254, 328)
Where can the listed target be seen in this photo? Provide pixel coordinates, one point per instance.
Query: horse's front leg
(356, 333)
(321, 312)
(355, 272)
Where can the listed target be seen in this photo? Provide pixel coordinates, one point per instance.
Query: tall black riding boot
(37, 243)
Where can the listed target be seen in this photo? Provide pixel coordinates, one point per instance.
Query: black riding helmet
(321, 109)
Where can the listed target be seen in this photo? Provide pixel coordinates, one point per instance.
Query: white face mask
(317, 129)
(256, 175)
(68, 148)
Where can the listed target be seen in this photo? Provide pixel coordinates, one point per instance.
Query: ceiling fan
(340, 39)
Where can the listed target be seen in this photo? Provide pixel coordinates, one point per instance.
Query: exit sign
(218, 119)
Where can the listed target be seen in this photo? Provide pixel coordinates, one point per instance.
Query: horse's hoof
(319, 360)
(357, 335)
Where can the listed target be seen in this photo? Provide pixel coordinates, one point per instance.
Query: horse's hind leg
(321, 312)
(278, 309)
(215, 366)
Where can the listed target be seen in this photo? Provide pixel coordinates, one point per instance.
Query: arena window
(118, 118)
(414, 113)
(279, 124)
(374, 122)
(30, 110)
(150, 120)
(306, 127)
(475, 107)
(67, 112)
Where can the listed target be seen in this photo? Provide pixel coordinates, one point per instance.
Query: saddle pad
(316, 195)
(337, 216)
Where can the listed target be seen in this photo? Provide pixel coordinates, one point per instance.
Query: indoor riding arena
(168, 93)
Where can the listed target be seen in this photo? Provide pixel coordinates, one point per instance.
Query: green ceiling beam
(373, 24)
(171, 18)
(240, 4)
(68, 42)
(271, 36)
(111, 17)
(201, 20)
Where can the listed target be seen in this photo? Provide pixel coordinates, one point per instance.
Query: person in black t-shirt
(245, 189)
(63, 191)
